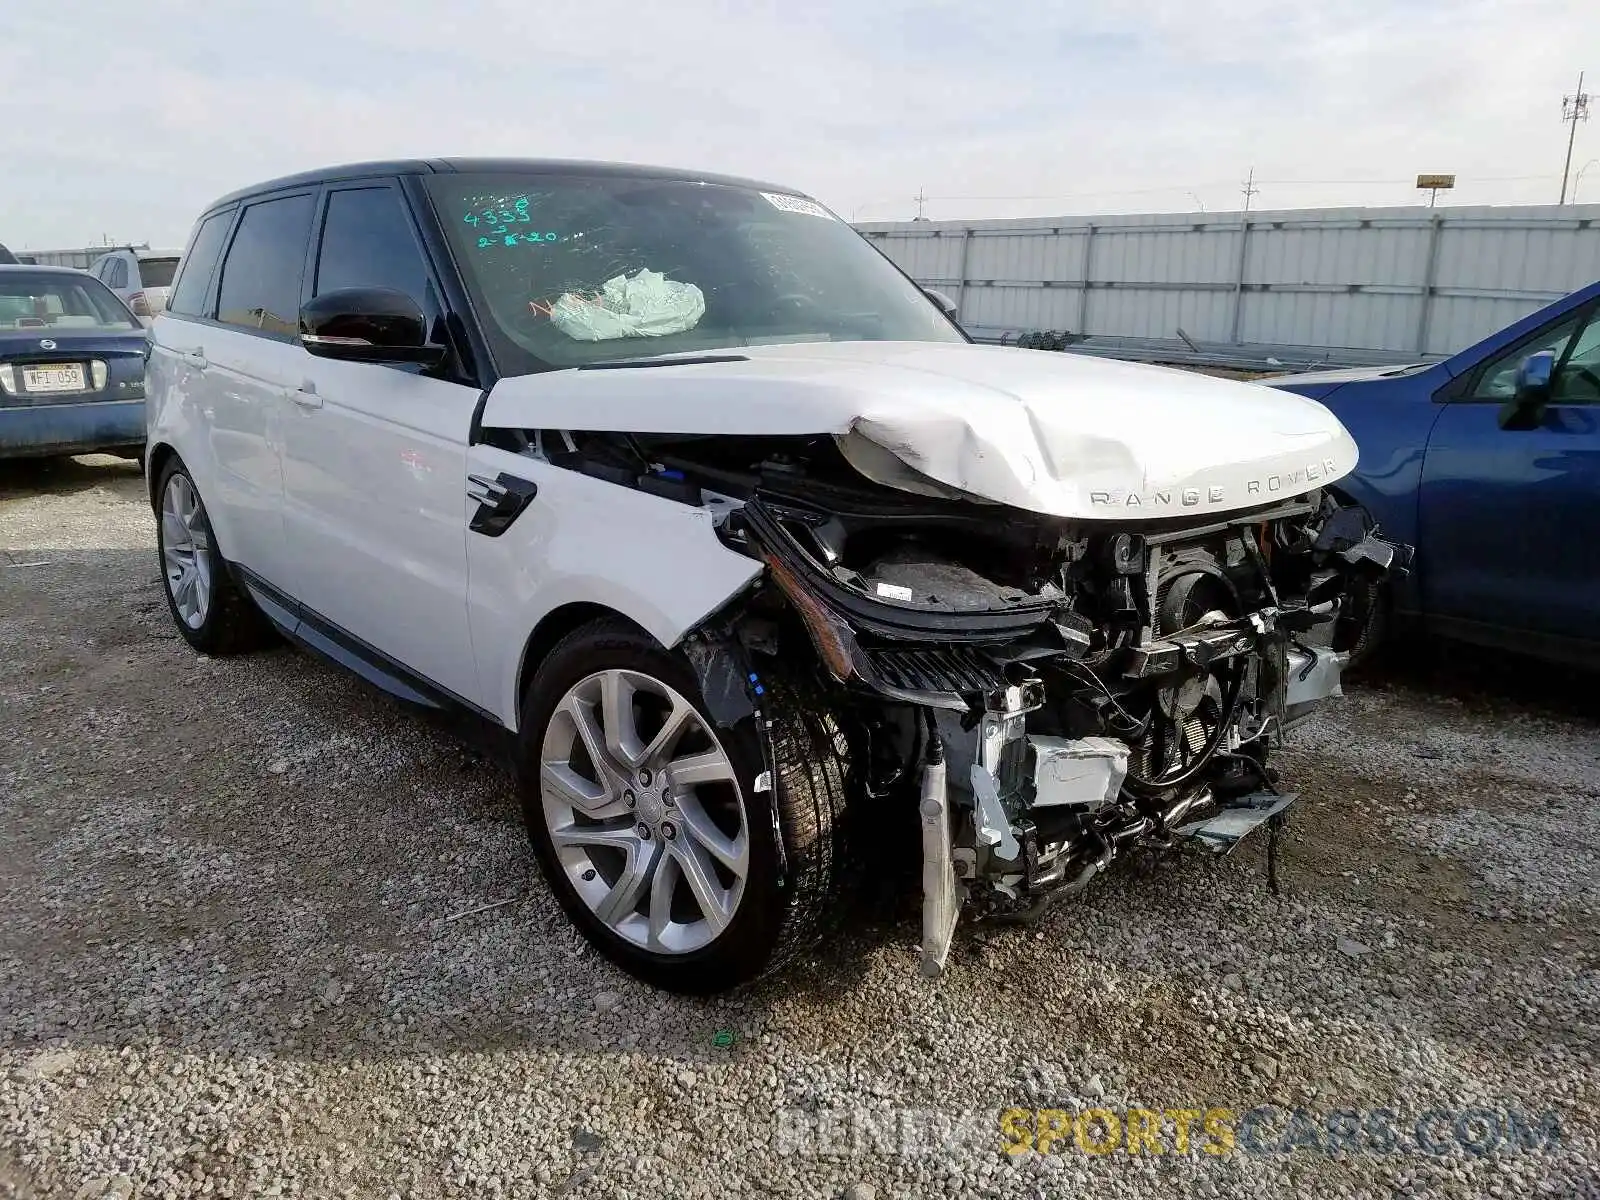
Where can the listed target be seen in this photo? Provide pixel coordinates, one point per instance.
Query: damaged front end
(1054, 693)
(1036, 695)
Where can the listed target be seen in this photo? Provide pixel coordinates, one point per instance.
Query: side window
(1577, 380)
(367, 242)
(1498, 380)
(260, 286)
(117, 274)
(194, 277)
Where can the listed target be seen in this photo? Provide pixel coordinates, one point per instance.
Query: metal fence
(1297, 286)
(80, 258)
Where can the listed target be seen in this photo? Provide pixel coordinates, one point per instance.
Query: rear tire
(209, 608)
(655, 827)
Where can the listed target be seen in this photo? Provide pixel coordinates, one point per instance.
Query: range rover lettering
(760, 565)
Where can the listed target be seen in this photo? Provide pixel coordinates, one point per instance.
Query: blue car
(71, 365)
(1489, 464)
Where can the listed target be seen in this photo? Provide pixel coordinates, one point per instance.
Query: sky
(123, 119)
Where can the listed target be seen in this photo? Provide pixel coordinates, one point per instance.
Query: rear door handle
(306, 395)
(196, 358)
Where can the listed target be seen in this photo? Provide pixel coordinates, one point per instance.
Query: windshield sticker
(795, 204)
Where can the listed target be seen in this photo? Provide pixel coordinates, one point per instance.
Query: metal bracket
(994, 827)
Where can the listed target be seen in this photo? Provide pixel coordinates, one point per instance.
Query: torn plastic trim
(1224, 830)
(727, 684)
(894, 620)
(734, 692)
(840, 652)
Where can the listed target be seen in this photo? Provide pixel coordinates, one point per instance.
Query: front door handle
(306, 395)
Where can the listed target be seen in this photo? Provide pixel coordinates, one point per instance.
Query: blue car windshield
(567, 269)
(58, 303)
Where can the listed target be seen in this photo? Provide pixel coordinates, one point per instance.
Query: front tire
(1364, 630)
(210, 610)
(655, 827)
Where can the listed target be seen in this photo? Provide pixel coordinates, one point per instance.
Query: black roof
(491, 166)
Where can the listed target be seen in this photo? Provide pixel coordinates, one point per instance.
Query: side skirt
(314, 632)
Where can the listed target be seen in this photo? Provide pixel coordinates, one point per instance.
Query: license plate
(53, 377)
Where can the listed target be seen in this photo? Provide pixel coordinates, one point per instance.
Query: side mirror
(946, 305)
(1535, 375)
(367, 324)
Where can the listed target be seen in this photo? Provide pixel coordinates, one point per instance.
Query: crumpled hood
(1057, 433)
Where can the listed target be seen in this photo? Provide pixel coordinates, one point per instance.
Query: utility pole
(1250, 189)
(1574, 108)
(922, 202)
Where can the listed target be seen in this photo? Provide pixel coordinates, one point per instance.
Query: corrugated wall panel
(80, 257)
(1349, 278)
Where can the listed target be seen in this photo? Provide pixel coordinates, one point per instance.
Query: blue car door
(1509, 519)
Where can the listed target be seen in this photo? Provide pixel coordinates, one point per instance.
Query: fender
(581, 540)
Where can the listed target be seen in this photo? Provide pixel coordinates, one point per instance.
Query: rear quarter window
(157, 272)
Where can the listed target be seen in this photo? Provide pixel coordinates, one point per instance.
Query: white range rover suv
(760, 566)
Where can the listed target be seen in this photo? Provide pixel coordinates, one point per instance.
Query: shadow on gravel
(63, 476)
(1487, 681)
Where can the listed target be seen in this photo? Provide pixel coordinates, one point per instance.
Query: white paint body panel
(230, 412)
(177, 415)
(376, 510)
(1061, 434)
(586, 541)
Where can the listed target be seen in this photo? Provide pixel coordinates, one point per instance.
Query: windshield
(157, 272)
(30, 302)
(568, 270)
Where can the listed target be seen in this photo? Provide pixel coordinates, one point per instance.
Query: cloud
(1049, 107)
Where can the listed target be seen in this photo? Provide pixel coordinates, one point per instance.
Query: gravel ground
(241, 956)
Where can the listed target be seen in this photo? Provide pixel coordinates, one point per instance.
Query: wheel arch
(1404, 593)
(157, 456)
(551, 628)
(160, 455)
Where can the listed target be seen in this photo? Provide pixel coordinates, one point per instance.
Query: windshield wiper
(629, 363)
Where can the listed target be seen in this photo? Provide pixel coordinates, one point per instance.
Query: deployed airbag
(646, 305)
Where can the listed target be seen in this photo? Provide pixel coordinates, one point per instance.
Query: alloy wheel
(644, 811)
(185, 546)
